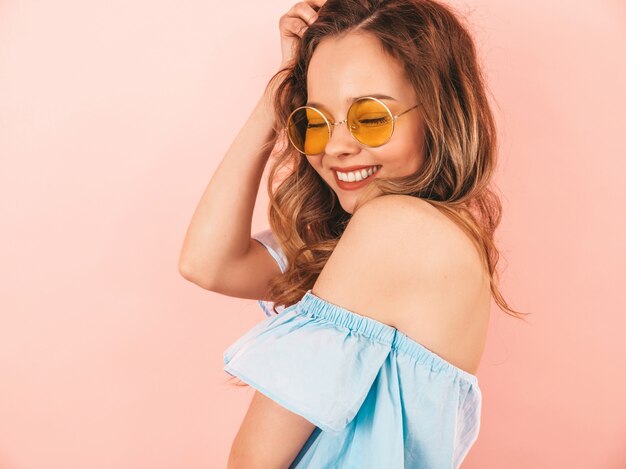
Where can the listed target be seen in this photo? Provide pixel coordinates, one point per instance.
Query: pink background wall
(114, 115)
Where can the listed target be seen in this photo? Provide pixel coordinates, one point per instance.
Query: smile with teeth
(359, 175)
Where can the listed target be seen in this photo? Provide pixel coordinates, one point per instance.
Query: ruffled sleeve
(380, 398)
(315, 359)
(268, 240)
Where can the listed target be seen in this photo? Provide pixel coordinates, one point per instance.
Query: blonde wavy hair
(440, 60)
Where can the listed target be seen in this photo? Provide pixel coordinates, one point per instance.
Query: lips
(350, 186)
(347, 169)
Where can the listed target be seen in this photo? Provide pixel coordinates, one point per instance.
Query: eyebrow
(379, 96)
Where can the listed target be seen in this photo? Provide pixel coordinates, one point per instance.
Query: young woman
(378, 270)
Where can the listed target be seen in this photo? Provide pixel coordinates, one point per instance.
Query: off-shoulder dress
(378, 398)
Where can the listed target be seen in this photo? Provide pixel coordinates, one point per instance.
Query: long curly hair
(440, 60)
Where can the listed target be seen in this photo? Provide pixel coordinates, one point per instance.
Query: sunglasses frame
(331, 125)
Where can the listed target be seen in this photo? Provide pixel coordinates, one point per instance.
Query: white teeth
(358, 175)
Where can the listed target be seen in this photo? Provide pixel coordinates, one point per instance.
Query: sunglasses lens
(308, 131)
(371, 122)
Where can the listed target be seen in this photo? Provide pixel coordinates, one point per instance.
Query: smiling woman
(343, 65)
(378, 271)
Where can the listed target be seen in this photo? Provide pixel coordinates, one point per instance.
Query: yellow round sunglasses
(370, 121)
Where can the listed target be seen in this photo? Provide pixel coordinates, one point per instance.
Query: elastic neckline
(378, 331)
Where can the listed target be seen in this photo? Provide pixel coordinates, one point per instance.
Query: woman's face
(347, 68)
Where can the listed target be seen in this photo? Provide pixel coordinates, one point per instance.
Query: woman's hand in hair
(293, 24)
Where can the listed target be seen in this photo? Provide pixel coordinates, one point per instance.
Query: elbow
(188, 273)
(237, 462)
(203, 280)
(234, 463)
(185, 271)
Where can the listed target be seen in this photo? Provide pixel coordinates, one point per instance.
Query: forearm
(223, 216)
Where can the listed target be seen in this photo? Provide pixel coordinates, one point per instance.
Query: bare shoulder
(410, 236)
(403, 262)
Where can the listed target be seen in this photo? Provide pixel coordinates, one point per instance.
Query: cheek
(403, 155)
(316, 165)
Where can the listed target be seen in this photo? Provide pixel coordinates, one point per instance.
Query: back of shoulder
(401, 255)
(415, 234)
(404, 263)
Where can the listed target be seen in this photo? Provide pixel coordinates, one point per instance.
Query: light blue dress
(378, 398)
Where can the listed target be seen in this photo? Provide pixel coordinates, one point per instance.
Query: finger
(303, 10)
(293, 26)
(317, 3)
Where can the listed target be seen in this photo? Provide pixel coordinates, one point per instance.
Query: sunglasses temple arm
(404, 112)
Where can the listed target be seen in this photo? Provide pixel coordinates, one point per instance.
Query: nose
(341, 140)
